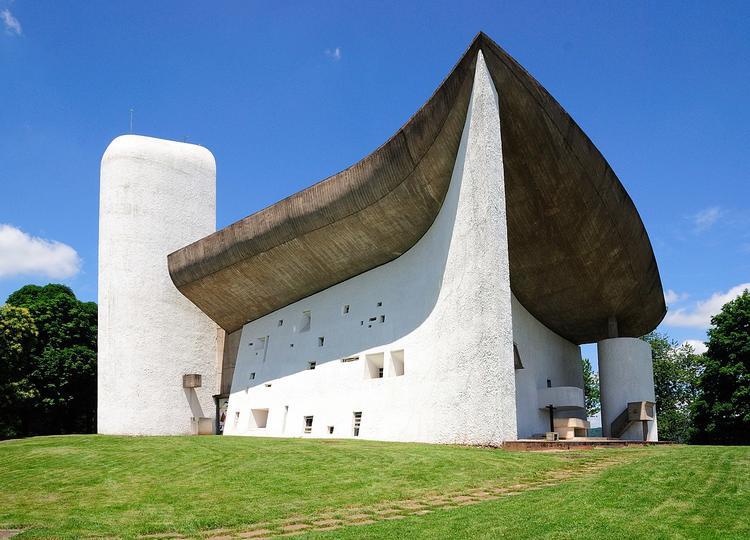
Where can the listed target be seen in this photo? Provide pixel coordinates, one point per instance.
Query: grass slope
(119, 486)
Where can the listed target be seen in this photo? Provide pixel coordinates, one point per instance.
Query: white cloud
(23, 254)
(671, 297)
(699, 315)
(698, 346)
(12, 26)
(706, 218)
(334, 54)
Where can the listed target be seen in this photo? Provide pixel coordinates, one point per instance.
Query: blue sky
(285, 95)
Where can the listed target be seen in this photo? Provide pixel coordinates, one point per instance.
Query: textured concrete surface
(443, 308)
(578, 250)
(155, 196)
(626, 374)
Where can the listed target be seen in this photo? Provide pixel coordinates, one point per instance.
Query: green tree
(18, 335)
(62, 364)
(591, 393)
(676, 371)
(721, 414)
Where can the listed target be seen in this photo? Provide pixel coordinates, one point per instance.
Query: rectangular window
(345, 309)
(308, 424)
(374, 366)
(357, 423)
(380, 304)
(350, 359)
(382, 318)
(311, 365)
(321, 341)
(306, 321)
(281, 322)
(236, 419)
(330, 430)
(397, 363)
(252, 376)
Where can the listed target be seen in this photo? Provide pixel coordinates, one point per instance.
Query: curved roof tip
(579, 253)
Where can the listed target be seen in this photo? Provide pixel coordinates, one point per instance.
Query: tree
(17, 340)
(591, 394)
(62, 364)
(721, 414)
(676, 371)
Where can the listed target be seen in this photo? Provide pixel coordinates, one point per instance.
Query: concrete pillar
(625, 374)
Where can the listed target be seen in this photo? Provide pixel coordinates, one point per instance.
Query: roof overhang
(579, 253)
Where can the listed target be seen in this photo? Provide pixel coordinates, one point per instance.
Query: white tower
(156, 196)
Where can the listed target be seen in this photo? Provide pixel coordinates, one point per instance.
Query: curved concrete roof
(579, 253)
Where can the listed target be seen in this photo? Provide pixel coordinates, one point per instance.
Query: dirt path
(365, 515)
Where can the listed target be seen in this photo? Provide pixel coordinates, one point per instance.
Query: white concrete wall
(156, 196)
(446, 304)
(626, 374)
(545, 355)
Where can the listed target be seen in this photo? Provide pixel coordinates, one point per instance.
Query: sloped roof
(578, 250)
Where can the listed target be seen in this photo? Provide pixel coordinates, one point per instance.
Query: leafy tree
(722, 412)
(62, 364)
(591, 393)
(17, 340)
(676, 371)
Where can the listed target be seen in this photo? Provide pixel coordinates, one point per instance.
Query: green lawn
(195, 486)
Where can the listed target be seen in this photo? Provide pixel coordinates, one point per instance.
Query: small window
(357, 423)
(380, 304)
(252, 376)
(382, 318)
(304, 324)
(517, 364)
(236, 419)
(330, 430)
(374, 368)
(268, 385)
(373, 319)
(549, 383)
(311, 365)
(321, 341)
(345, 309)
(397, 363)
(308, 424)
(259, 418)
(350, 359)
(361, 323)
(280, 323)
(291, 344)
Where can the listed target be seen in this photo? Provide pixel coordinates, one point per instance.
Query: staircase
(636, 411)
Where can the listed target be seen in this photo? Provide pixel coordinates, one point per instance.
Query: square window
(380, 304)
(374, 366)
(311, 365)
(259, 418)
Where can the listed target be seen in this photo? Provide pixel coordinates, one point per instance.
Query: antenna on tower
(131, 119)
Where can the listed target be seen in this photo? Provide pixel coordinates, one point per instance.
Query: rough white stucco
(155, 197)
(625, 374)
(446, 304)
(544, 355)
